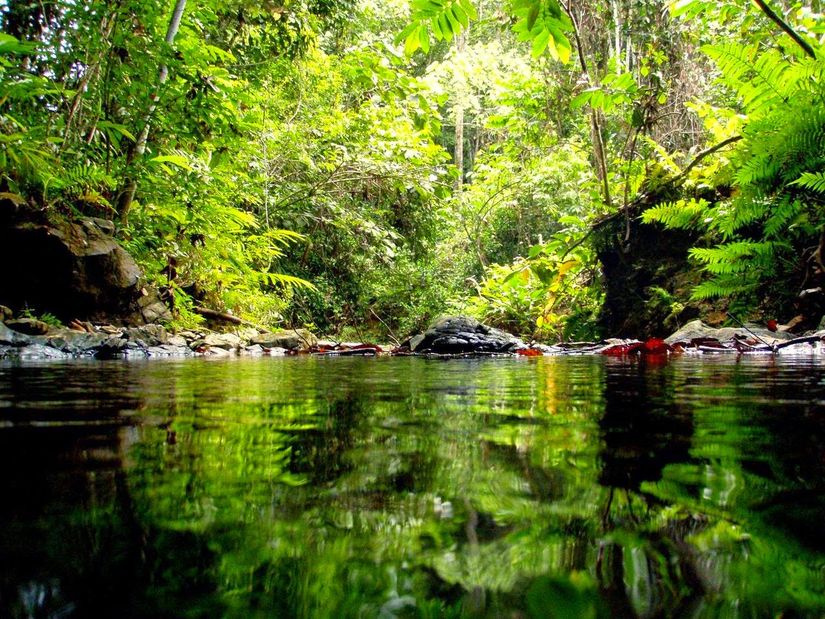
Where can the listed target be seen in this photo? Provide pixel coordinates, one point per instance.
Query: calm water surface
(401, 487)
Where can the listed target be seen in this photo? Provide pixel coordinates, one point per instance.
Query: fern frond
(683, 214)
(782, 215)
(737, 257)
(815, 181)
(733, 216)
(761, 166)
(762, 81)
(283, 280)
(721, 287)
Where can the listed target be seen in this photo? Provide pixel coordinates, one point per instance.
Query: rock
(151, 309)
(74, 270)
(696, 329)
(463, 335)
(216, 352)
(5, 313)
(246, 333)
(112, 348)
(177, 340)
(9, 337)
(169, 350)
(29, 326)
(254, 351)
(225, 341)
(295, 339)
(76, 342)
(93, 224)
(39, 352)
(150, 335)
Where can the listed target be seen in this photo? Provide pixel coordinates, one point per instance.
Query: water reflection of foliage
(443, 495)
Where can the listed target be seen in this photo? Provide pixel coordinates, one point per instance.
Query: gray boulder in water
(457, 335)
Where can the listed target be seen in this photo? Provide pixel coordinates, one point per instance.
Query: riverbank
(457, 336)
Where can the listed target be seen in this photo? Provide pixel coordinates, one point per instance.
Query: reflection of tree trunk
(610, 577)
(476, 599)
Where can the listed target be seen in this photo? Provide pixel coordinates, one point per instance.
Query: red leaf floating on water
(619, 350)
(655, 346)
(529, 352)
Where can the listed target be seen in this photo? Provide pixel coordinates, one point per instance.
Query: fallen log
(224, 317)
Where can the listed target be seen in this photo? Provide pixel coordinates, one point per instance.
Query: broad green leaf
(540, 43)
(424, 39)
(446, 27)
(469, 8)
(406, 32)
(532, 16)
(583, 98)
(460, 15)
(437, 29)
(178, 160)
(412, 43)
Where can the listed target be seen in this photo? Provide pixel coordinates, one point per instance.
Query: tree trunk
(127, 192)
(458, 152)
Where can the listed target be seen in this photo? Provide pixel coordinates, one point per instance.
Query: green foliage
(551, 294)
(776, 170)
(543, 24)
(444, 20)
(682, 214)
(49, 319)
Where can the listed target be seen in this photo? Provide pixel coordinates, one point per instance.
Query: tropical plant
(770, 232)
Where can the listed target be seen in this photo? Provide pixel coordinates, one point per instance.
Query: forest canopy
(559, 169)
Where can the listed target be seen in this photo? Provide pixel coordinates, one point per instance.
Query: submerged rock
(458, 335)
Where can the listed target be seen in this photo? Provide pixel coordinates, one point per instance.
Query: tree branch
(698, 159)
(772, 15)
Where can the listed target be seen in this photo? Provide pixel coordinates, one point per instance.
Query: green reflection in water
(311, 487)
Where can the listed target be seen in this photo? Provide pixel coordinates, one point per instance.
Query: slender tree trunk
(107, 26)
(127, 192)
(458, 152)
(595, 120)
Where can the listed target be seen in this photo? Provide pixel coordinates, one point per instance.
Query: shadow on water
(567, 487)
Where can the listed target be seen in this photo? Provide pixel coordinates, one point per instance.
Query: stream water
(408, 487)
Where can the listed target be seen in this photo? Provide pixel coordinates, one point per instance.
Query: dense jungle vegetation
(374, 163)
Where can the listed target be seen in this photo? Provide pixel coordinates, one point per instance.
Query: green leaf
(412, 43)
(424, 39)
(460, 15)
(540, 43)
(535, 251)
(446, 27)
(455, 26)
(178, 160)
(532, 16)
(469, 8)
(583, 98)
(406, 32)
